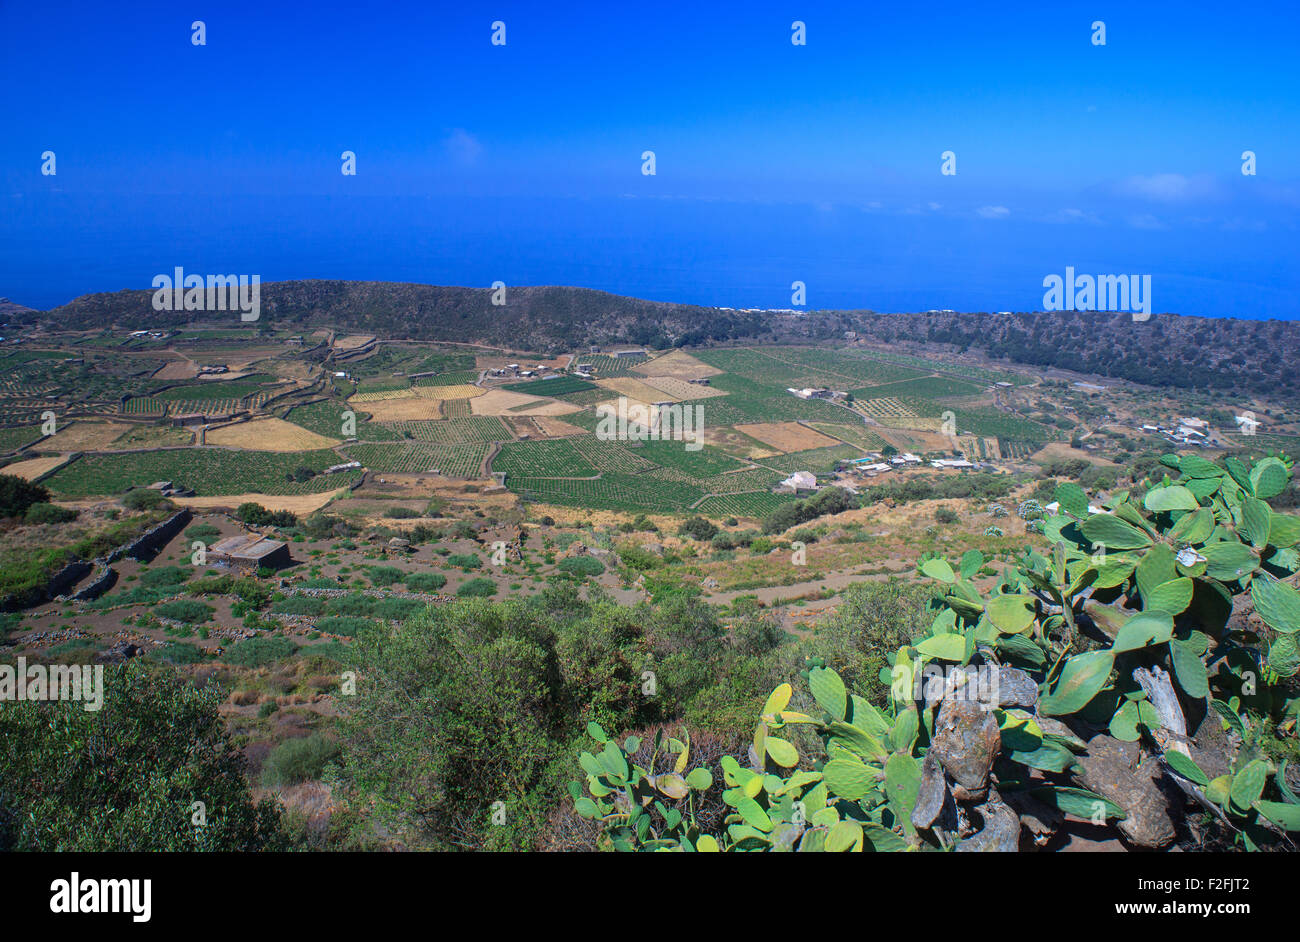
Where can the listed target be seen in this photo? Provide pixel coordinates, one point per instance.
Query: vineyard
(209, 471)
(478, 429)
(559, 386)
(453, 461)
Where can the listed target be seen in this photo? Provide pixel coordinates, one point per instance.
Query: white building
(801, 481)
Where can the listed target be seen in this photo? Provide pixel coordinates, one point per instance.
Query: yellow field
(635, 389)
(406, 409)
(85, 436)
(787, 436)
(352, 341)
(269, 435)
(383, 395)
(301, 505)
(33, 468)
(676, 364)
(448, 392)
(679, 389)
(504, 402)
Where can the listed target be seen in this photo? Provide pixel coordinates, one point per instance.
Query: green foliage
(49, 513)
(424, 581)
(185, 610)
(479, 587)
(581, 566)
(125, 777)
(298, 760)
(255, 514)
(258, 652)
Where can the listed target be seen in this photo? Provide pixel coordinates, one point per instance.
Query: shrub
(298, 760)
(582, 566)
(398, 609)
(299, 605)
(401, 513)
(206, 532)
(165, 576)
(17, 495)
(49, 513)
(258, 652)
(698, 528)
(477, 588)
(349, 625)
(466, 561)
(185, 610)
(425, 581)
(143, 498)
(945, 515)
(177, 652)
(256, 515)
(381, 576)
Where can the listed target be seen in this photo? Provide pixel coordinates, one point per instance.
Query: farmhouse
(249, 552)
(800, 481)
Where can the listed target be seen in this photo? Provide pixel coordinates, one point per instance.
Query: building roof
(247, 546)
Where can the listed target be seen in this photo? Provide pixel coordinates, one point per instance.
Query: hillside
(550, 318)
(1230, 356)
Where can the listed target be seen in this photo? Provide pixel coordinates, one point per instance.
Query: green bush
(477, 588)
(258, 652)
(582, 566)
(299, 605)
(186, 610)
(143, 498)
(177, 652)
(401, 513)
(466, 561)
(397, 609)
(381, 576)
(206, 532)
(354, 604)
(425, 581)
(165, 576)
(49, 513)
(17, 495)
(343, 624)
(298, 760)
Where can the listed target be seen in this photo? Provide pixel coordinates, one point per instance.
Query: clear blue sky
(775, 163)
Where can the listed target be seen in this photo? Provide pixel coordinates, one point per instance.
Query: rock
(576, 549)
(1040, 818)
(398, 543)
(1001, 831)
(966, 743)
(655, 549)
(122, 651)
(1119, 772)
(710, 583)
(1016, 688)
(931, 794)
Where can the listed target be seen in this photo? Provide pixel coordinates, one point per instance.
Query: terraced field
(461, 431)
(209, 471)
(453, 461)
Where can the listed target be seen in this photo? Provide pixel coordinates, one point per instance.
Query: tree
(17, 494)
(127, 776)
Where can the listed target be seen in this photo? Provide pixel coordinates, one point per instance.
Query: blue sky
(775, 163)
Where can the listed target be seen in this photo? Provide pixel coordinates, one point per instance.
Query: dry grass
(407, 409)
(679, 389)
(33, 468)
(504, 402)
(85, 436)
(152, 436)
(678, 365)
(465, 391)
(352, 341)
(635, 389)
(301, 504)
(787, 436)
(737, 443)
(269, 435)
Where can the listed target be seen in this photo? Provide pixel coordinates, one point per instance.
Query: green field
(326, 418)
(209, 471)
(476, 429)
(559, 386)
(453, 461)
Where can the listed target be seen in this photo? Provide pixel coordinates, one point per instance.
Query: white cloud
(1145, 221)
(993, 212)
(1166, 187)
(1074, 215)
(463, 147)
